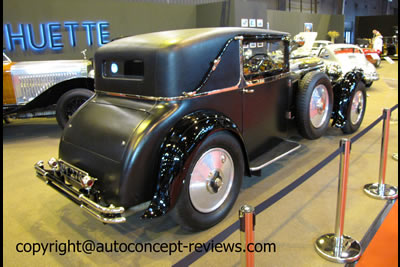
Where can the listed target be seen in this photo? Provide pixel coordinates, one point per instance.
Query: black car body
(169, 103)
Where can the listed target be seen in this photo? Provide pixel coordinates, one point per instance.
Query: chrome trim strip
(94, 207)
(268, 79)
(277, 158)
(188, 95)
(174, 98)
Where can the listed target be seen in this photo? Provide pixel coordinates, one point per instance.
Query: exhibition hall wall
(58, 29)
(293, 23)
(124, 18)
(385, 24)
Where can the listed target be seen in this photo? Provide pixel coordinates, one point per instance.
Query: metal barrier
(338, 247)
(381, 190)
(247, 218)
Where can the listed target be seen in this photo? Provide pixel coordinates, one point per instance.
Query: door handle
(248, 91)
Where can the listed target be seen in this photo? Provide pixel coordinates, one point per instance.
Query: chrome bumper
(370, 77)
(109, 214)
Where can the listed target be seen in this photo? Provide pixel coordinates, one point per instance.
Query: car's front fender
(342, 94)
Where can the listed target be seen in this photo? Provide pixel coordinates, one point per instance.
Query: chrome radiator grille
(30, 79)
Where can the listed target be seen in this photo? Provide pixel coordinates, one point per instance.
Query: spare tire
(314, 103)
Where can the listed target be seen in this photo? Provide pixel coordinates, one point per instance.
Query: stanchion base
(388, 192)
(326, 248)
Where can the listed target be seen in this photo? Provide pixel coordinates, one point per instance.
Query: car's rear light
(53, 163)
(87, 182)
(8, 88)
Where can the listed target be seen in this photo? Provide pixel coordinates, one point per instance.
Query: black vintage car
(179, 117)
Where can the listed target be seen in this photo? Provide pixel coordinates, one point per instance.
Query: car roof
(339, 46)
(173, 38)
(178, 61)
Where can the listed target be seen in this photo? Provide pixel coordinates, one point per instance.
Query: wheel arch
(177, 150)
(342, 92)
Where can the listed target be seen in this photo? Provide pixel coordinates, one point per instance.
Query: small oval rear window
(128, 69)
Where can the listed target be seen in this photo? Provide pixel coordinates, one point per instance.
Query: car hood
(51, 66)
(31, 78)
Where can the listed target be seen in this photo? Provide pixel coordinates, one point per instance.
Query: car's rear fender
(178, 148)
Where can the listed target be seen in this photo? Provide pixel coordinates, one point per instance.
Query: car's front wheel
(69, 102)
(212, 183)
(356, 109)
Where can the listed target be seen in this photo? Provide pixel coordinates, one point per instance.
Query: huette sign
(52, 34)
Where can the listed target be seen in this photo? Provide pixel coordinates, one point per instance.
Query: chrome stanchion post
(338, 247)
(381, 190)
(247, 219)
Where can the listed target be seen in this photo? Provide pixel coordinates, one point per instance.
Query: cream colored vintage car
(46, 88)
(349, 57)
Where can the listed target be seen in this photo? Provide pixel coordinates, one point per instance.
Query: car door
(266, 93)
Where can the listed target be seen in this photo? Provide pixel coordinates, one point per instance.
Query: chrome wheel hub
(215, 183)
(319, 105)
(211, 180)
(357, 107)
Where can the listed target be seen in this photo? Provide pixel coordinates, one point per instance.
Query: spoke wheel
(69, 102)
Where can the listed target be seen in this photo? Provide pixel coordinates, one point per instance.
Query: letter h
(12, 37)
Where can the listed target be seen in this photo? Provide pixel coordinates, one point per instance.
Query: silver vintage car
(45, 88)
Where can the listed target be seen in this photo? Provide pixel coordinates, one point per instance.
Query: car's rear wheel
(212, 183)
(314, 105)
(356, 109)
(69, 102)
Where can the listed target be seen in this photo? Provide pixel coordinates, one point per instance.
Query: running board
(280, 150)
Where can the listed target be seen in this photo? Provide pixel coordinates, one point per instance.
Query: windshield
(318, 44)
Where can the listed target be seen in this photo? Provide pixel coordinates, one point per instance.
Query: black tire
(307, 85)
(368, 85)
(6, 120)
(352, 125)
(69, 102)
(185, 212)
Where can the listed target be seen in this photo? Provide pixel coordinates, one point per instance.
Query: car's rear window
(347, 50)
(127, 69)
